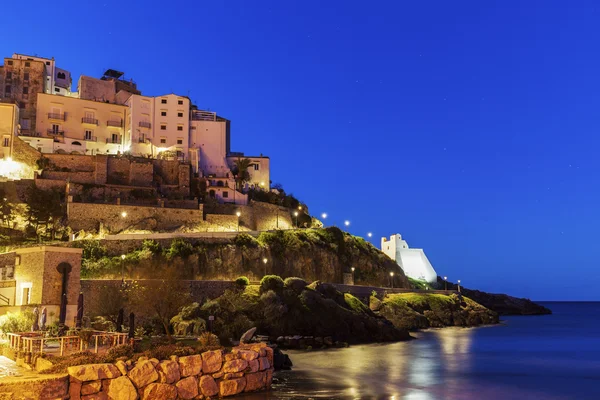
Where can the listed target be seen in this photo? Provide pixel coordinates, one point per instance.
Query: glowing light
(238, 214)
(347, 223)
(15, 170)
(324, 215)
(369, 234)
(265, 260)
(295, 213)
(445, 278)
(262, 184)
(122, 256)
(391, 274)
(161, 149)
(352, 269)
(123, 214)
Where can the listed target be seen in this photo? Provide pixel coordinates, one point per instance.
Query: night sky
(470, 127)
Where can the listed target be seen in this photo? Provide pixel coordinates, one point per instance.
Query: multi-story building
(209, 143)
(9, 123)
(58, 81)
(106, 88)
(259, 169)
(76, 126)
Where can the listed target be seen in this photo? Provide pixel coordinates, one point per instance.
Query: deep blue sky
(472, 128)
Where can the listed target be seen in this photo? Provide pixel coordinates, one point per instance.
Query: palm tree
(240, 171)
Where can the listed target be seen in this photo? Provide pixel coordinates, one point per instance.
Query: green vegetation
(271, 282)
(419, 284)
(20, 321)
(242, 281)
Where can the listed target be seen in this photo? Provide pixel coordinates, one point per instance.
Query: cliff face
(312, 254)
(418, 311)
(506, 305)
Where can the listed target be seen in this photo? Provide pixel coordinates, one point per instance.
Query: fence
(37, 342)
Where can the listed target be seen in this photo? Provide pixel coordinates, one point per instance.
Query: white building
(413, 262)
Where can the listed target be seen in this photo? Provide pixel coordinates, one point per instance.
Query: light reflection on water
(546, 357)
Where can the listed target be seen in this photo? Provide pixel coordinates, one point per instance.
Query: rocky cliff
(418, 311)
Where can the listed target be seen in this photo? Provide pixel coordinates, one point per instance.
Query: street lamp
(238, 220)
(265, 263)
(324, 216)
(353, 274)
(392, 279)
(296, 215)
(445, 283)
(458, 286)
(123, 214)
(122, 269)
(369, 234)
(347, 223)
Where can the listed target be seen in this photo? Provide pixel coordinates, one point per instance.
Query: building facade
(413, 262)
(9, 123)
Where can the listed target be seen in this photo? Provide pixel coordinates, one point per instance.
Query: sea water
(525, 357)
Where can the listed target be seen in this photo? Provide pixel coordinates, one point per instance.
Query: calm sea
(540, 357)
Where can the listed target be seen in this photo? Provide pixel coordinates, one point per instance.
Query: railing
(36, 342)
(113, 141)
(30, 134)
(55, 132)
(144, 124)
(203, 116)
(4, 299)
(115, 123)
(61, 117)
(91, 139)
(91, 121)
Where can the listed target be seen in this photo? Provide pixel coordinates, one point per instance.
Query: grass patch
(355, 304)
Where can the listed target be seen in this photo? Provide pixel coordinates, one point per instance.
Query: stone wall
(35, 388)
(225, 222)
(79, 177)
(24, 153)
(247, 368)
(268, 216)
(75, 163)
(88, 217)
(48, 184)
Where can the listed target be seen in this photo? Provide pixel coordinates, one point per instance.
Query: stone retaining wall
(35, 387)
(248, 368)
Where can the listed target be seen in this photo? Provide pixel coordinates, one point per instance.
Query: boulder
(263, 363)
(233, 375)
(190, 365)
(154, 361)
(121, 389)
(94, 372)
(212, 361)
(255, 381)
(208, 386)
(159, 391)
(235, 366)
(75, 388)
(248, 335)
(122, 367)
(268, 352)
(187, 388)
(95, 396)
(247, 355)
(142, 374)
(91, 387)
(232, 387)
(254, 366)
(218, 375)
(269, 378)
(168, 371)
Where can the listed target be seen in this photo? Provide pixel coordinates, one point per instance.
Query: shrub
(245, 240)
(123, 350)
(161, 352)
(62, 363)
(208, 339)
(151, 245)
(190, 312)
(179, 248)
(85, 335)
(296, 284)
(21, 321)
(271, 282)
(242, 281)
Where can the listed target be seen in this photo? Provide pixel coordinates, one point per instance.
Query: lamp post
(392, 279)
(459, 286)
(122, 269)
(238, 220)
(124, 214)
(369, 235)
(324, 216)
(347, 223)
(265, 263)
(296, 215)
(445, 283)
(353, 274)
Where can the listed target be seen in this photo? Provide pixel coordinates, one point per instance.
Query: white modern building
(413, 262)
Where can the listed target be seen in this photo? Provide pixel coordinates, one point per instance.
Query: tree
(240, 171)
(6, 209)
(44, 207)
(163, 298)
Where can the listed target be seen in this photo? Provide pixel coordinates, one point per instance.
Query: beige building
(44, 276)
(259, 170)
(76, 126)
(9, 124)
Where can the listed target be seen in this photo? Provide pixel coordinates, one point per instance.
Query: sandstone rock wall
(247, 368)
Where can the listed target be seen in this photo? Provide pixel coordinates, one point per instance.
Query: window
(225, 195)
(180, 128)
(57, 90)
(47, 62)
(27, 64)
(115, 138)
(180, 102)
(8, 75)
(163, 101)
(88, 135)
(256, 167)
(179, 141)
(180, 114)
(55, 128)
(25, 90)
(163, 113)
(163, 127)
(163, 140)
(26, 76)
(61, 75)
(7, 89)
(10, 62)
(25, 123)
(6, 142)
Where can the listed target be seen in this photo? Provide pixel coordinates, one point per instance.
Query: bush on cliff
(179, 248)
(296, 284)
(242, 281)
(271, 282)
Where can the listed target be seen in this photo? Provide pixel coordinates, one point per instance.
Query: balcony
(91, 139)
(142, 140)
(54, 132)
(198, 115)
(113, 141)
(144, 124)
(118, 124)
(57, 116)
(91, 121)
(29, 134)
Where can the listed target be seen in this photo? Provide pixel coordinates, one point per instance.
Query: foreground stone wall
(248, 368)
(34, 388)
